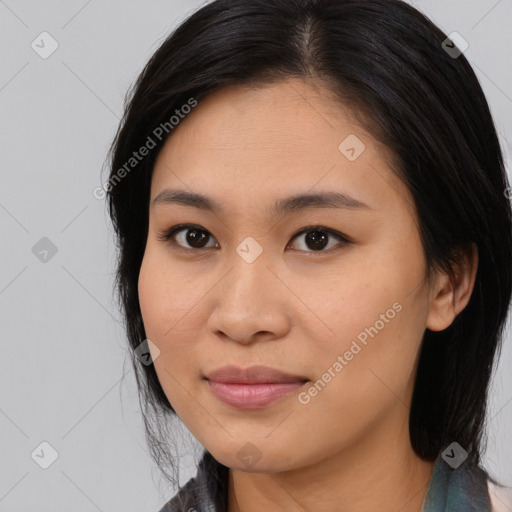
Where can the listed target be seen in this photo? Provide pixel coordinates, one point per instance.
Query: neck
(355, 479)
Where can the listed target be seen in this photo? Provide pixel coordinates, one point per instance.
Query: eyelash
(166, 236)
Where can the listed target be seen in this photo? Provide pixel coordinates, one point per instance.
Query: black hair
(391, 66)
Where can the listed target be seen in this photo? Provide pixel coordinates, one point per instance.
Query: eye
(317, 238)
(196, 236)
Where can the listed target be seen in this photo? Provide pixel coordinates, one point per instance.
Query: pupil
(197, 238)
(316, 239)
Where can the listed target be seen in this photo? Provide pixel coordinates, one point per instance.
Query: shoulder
(206, 492)
(501, 497)
(185, 499)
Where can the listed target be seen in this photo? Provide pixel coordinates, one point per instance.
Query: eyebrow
(326, 199)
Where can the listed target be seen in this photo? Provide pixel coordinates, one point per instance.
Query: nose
(251, 303)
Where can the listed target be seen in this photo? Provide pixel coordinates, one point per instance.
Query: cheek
(367, 372)
(150, 297)
(375, 323)
(170, 303)
(165, 297)
(161, 311)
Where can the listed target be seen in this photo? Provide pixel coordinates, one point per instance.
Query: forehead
(271, 116)
(279, 138)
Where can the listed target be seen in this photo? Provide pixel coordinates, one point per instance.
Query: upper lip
(252, 375)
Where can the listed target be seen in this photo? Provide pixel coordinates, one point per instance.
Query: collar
(463, 489)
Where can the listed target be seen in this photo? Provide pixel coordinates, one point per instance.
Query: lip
(252, 375)
(254, 387)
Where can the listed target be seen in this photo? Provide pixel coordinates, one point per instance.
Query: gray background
(63, 351)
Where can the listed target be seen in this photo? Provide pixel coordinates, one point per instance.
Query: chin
(254, 457)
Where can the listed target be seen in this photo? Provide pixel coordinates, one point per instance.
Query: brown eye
(317, 239)
(190, 237)
(187, 237)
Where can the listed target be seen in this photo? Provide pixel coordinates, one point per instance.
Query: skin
(294, 308)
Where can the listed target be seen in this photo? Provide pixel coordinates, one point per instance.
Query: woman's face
(246, 288)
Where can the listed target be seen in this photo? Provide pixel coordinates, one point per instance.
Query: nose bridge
(249, 269)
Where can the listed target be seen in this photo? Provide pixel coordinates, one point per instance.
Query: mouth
(254, 387)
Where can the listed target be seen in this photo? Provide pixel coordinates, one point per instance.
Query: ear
(449, 296)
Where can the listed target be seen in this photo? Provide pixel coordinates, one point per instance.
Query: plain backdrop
(63, 350)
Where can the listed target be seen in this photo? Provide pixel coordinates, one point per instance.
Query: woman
(315, 256)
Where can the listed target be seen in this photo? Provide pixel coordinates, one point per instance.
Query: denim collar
(463, 489)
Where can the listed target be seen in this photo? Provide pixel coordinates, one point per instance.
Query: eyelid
(319, 227)
(167, 234)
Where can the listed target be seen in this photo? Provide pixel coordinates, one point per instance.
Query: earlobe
(451, 294)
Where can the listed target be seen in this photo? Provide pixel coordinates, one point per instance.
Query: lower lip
(252, 396)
